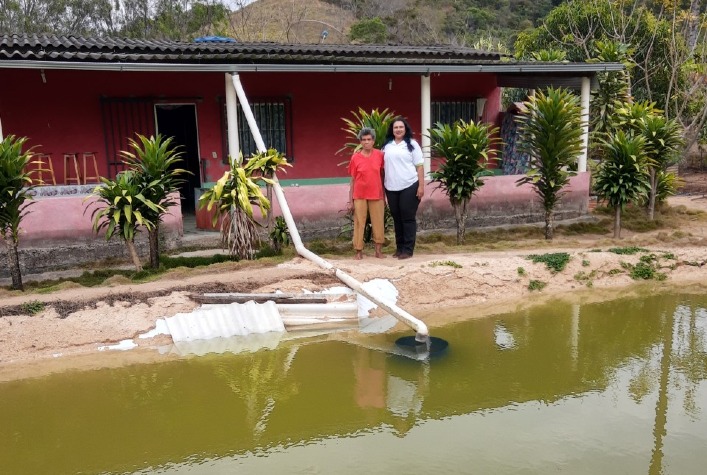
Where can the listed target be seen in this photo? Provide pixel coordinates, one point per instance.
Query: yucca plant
(622, 177)
(551, 133)
(266, 164)
(233, 197)
(663, 139)
(376, 120)
(463, 152)
(122, 207)
(15, 192)
(156, 163)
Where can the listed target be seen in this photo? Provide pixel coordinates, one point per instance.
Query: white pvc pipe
(584, 100)
(400, 314)
(232, 120)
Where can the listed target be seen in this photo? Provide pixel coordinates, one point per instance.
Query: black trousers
(403, 206)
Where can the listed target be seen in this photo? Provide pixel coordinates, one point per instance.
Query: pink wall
(63, 114)
(320, 210)
(68, 218)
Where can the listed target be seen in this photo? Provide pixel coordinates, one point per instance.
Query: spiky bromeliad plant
(233, 197)
(551, 133)
(124, 206)
(155, 162)
(464, 151)
(622, 177)
(15, 192)
(377, 120)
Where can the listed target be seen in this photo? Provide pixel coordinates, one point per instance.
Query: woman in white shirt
(404, 184)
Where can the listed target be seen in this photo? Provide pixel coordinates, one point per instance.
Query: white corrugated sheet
(225, 321)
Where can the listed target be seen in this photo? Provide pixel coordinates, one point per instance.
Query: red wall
(64, 113)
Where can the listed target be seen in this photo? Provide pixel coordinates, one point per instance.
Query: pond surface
(614, 387)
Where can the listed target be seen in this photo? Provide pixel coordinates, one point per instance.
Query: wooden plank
(258, 298)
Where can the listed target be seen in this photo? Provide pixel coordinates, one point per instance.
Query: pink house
(79, 99)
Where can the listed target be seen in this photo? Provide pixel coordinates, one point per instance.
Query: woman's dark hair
(408, 133)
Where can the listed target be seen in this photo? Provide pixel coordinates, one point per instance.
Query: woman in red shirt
(366, 193)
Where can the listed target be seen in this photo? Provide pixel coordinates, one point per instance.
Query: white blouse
(401, 164)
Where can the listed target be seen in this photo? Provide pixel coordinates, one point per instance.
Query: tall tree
(668, 69)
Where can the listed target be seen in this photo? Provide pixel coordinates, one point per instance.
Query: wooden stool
(69, 159)
(95, 177)
(43, 161)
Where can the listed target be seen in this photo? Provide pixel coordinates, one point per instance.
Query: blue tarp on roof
(214, 39)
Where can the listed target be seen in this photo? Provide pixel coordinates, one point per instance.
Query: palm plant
(233, 197)
(622, 177)
(551, 133)
(155, 163)
(15, 190)
(463, 151)
(123, 207)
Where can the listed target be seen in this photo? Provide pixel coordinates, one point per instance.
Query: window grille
(448, 112)
(273, 117)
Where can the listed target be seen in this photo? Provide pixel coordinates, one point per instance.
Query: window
(273, 117)
(448, 112)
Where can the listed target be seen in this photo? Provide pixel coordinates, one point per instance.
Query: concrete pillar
(426, 121)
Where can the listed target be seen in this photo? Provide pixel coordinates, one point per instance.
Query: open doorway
(179, 121)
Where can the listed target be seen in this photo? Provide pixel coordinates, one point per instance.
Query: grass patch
(445, 263)
(647, 268)
(627, 251)
(603, 226)
(98, 277)
(33, 307)
(555, 261)
(521, 271)
(586, 278)
(536, 285)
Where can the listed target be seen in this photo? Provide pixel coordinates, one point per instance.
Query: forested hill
(459, 22)
(462, 22)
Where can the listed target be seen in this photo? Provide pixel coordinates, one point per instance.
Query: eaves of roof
(110, 54)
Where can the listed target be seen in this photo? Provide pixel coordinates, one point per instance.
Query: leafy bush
(536, 285)
(556, 261)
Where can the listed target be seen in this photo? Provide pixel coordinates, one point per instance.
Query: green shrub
(556, 261)
(33, 307)
(536, 285)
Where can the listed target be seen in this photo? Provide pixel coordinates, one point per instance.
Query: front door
(179, 121)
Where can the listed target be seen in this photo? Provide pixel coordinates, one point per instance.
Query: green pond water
(609, 388)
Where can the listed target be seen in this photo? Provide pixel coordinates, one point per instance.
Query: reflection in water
(615, 387)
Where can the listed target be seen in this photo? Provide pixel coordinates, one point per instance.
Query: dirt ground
(77, 321)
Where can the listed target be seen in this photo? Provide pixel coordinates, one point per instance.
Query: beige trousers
(362, 208)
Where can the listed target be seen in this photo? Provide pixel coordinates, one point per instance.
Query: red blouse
(366, 173)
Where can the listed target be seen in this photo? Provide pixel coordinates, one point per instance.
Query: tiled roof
(23, 47)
